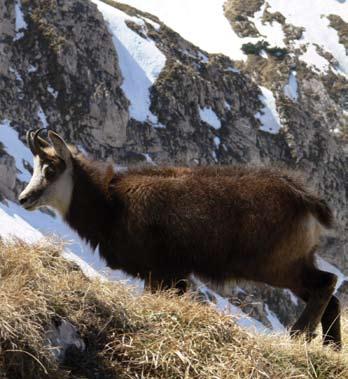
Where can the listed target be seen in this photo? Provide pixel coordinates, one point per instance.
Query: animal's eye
(49, 172)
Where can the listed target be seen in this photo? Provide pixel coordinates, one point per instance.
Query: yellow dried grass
(133, 336)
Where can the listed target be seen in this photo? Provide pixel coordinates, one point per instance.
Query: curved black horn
(43, 143)
(29, 138)
(36, 140)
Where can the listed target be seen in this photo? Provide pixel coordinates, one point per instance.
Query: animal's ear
(60, 146)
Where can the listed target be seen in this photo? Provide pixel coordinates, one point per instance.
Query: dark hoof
(335, 344)
(309, 336)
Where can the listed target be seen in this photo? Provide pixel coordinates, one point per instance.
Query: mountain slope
(121, 84)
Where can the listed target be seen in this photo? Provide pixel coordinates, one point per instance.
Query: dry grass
(129, 336)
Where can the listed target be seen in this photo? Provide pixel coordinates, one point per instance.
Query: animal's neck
(90, 207)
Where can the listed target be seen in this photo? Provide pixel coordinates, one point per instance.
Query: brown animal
(219, 223)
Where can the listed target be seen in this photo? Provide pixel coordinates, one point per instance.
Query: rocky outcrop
(341, 26)
(66, 65)
(8, 173)
(238, 12)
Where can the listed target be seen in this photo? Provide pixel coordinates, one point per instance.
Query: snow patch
(202, 23)
(317, 28)
(271, 31)
(277, 326)
(140, 61)
(205, 25)
(155, 25)
(224, 306)
(326, 266)
(158, 124)
(314, 59)
(15, 147)
(21, 25)
(52, 91)
(263, 54)
(17, 74)
(217, 141)
(209, 116)
(32, 68)
(203, 57)
(291, 88)
(293, 298)
(269, 117)
(61, 338)
(227, 106)
(232, 69)
(149, 159)
(32, 226)
(42, 117)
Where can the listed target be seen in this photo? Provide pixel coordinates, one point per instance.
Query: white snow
(203, 57)
(268, 116)
(277, 326)
(204, 24)
(32, 226)
(291, 88)
(224, 306)
(156, 25)
(201, 22)
(314, 59)
(52, 91)
(20, 22)
(149, 159)
(293, 298)
(42, 117)
(18, 223)
(263, 54)
(227, 106)
(15, 148)
(17, 74)
(326, 266)
(32, 68)
(232, 69)
(336, 131)
(63, 337)
(209, 116)
(317, 30)
(140, 61)
(272, 32)
(157, 124)
(217, 141)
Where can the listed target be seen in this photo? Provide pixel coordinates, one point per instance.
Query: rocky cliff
(121, 84)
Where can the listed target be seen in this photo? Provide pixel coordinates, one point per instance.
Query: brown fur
(219, 223)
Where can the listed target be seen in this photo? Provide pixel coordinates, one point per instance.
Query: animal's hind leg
(330, 321)
(331, 324)
(319, 285)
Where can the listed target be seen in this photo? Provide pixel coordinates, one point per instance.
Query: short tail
(317, 206)
(320, 210)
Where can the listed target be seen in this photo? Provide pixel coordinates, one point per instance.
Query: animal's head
(52, 182)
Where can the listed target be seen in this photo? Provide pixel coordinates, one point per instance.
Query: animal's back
(216, 221)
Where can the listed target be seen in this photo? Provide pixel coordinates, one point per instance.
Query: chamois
(219, 223)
